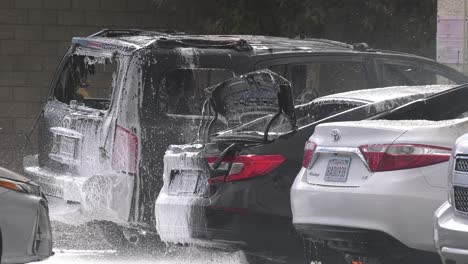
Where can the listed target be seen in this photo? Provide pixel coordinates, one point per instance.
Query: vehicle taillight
(388, 157)
(125, 152)
(309, 150)
(244, 167)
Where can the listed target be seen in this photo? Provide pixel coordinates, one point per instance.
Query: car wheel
(111, 232)
(127, 238)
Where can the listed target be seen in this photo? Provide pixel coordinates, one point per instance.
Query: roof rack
(362, 47)
(327, 41)
(114, 33)
(236, 44)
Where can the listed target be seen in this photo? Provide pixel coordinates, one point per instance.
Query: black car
(231, 188)
(119, 98)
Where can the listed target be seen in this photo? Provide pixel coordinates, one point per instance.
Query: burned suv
(121, 97)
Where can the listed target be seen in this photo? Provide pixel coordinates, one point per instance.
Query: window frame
(437, 69)
(73, 50)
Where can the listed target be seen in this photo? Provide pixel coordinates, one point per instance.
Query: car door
(72, 134)
(319, 75)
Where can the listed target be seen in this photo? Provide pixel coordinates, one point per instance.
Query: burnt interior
(87, 80)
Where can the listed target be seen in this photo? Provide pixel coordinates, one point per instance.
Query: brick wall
(34, 35)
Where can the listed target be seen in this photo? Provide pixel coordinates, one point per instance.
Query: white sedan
(371, 188)
(25, 232)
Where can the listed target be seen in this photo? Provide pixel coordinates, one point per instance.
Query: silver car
(451, 219)
(25, 232)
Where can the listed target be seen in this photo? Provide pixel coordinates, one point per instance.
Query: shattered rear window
(305, 113)
(87, 81)
(182, 90)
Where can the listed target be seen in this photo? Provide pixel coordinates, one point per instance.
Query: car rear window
(182, 90)
(305, 114)
(87, 80)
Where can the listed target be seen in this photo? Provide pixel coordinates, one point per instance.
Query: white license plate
(67, 146)
(184, 182)
(337, 169)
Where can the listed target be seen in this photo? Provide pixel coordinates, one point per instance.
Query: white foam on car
(388, 93)
(175, 212)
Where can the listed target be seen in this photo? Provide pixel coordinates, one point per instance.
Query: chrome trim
(459, 178)
(339, 150)
(454, 202)
(457, 157)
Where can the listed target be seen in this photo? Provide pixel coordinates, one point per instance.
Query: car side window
(182, 90)
(312, 80)
(87, 81)
(400, 74)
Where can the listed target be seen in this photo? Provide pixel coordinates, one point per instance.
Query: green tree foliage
(404, 25)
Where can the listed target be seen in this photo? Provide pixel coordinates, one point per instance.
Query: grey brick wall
(34, 35)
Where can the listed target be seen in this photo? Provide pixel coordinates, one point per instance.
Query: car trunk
(347, 154)
(185, 170)
(74, 126)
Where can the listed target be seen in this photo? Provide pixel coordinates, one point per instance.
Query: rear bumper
(179, 218)
(398, 204)
(186, 219)
(183, 219)
(451, 235)
(104, 197)
(65, 186)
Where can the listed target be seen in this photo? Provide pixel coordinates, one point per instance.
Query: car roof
(127, 41)
(385, 93)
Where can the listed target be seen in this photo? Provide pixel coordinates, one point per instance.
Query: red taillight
(309, 150)
(125, 152)
(388, 157)
(246, 166)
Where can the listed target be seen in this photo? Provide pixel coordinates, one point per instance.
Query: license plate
(337, 169)
(67, 146)
(184, 182)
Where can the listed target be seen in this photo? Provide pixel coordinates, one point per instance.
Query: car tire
(124, 238)
(112, 233)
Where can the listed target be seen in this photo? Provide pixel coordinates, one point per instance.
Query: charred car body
(120, 97)
(25, 231)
